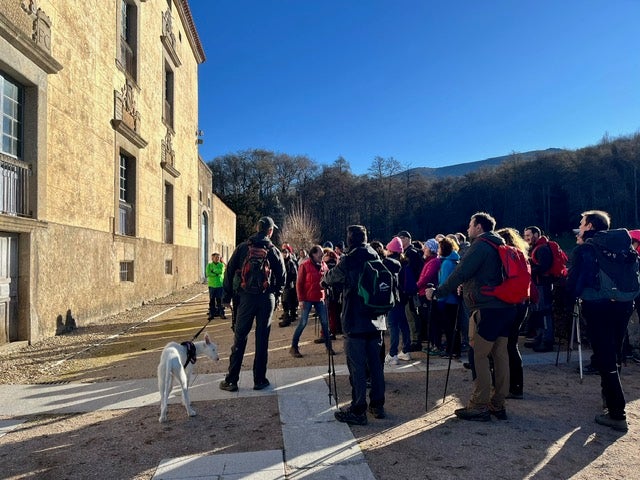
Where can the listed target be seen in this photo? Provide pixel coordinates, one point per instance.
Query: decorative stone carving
(168, 38)
(41, 24)
(126, 118)
(168, 155)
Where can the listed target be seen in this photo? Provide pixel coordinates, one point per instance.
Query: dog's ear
(207, 338)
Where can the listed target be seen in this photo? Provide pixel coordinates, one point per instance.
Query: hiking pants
(363, 356)
(607, 323)
(251, 306)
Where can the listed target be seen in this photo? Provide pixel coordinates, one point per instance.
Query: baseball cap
(403, 233)
(266, 223)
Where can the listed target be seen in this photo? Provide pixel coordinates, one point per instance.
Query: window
(126, 271)
(14, 172)
(168, 267)
(168, 213)
(128, 38)
(167, 112)
(12, 101)
(189, 211)
(126, 224)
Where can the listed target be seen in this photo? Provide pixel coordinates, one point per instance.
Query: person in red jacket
(311, 294)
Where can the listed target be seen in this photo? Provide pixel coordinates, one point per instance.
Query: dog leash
(200, 331)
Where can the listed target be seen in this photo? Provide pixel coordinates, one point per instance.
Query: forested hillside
(550, 192)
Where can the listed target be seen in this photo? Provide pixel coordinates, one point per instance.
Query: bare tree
(299, 228)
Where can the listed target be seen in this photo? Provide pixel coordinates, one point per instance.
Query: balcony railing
(14, 187)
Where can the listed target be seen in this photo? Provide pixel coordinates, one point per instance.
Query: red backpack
(558, 267)
(516, 273)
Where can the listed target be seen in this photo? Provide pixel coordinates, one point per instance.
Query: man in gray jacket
(490, 318)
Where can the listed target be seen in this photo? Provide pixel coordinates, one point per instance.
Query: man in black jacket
(410, 288)
(362, 340)
(606, 311)
(253, 305)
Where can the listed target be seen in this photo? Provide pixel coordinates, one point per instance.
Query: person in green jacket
(215, 276)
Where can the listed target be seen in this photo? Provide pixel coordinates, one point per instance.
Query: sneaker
(499, 414)
(228, 386)
(261, 385)
(404, 356)
(346, 415)
(295, 352)
(389, 360)
(473, 414)
(377, 412)
(515, 396)
(607, 421)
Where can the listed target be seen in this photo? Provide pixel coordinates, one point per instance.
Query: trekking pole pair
(450, 350)
(575, 335)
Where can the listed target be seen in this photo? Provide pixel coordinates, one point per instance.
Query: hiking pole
(450, 352)
(426, 389)
(576, 314)
(333, 389)
(573, 330)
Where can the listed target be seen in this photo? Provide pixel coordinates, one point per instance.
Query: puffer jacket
(308, 284)
(481, 266)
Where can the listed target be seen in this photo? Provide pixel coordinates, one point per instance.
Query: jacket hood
(260, 240)
(454, 256)
(617, 240)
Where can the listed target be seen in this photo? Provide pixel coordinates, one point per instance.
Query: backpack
(618, 267)
(256, 270)
(558, 267)
(516, 274)
(375, 287)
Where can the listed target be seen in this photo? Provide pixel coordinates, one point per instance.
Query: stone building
(103, 204)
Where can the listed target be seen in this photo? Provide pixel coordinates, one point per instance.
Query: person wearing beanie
(428, 316)
(395, 245)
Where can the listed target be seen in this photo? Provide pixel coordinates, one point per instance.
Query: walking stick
(450, 348)
(426, 390)
(576, 316)
(333, 388)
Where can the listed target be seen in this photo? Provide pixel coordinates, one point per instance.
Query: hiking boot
(377, 412)
(295, 352)
(261, 385)
(319, 340)
(515, 396)
(473, 414)
(228, 386)
(391, 360)
(499, 414)
(346, 415)
(284, 323)
(404, 356)
(415, 347)
(607, 421)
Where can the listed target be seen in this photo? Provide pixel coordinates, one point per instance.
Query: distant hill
(464, 168)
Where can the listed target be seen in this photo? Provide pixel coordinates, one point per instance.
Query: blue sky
(429, 83)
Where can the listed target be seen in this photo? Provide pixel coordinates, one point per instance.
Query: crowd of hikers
(458, 294)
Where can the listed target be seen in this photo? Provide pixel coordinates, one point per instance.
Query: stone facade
(110, 194)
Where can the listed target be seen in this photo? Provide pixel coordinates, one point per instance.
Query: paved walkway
(316, 446)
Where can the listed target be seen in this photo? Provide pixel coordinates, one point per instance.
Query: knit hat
(328, 244)
(395, 245)
(432, 245)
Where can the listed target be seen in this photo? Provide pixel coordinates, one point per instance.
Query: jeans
(363, 356)
(607, 323)
(321, 310)
(397, 323)
(251, 306)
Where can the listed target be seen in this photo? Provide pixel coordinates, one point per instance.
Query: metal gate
(8, 287)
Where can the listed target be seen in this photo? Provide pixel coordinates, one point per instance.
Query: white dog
(177, 361)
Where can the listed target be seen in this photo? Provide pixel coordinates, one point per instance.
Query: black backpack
(255, 274)
(618, 267)
(375, 287)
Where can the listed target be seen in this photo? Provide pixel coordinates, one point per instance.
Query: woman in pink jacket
(311, 294)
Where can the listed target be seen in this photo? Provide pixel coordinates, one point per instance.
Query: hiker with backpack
(255, 276)
(548, 263)
(604, 276)
(408, 285)
(311, 294)
(362, 338)
(480, 272)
